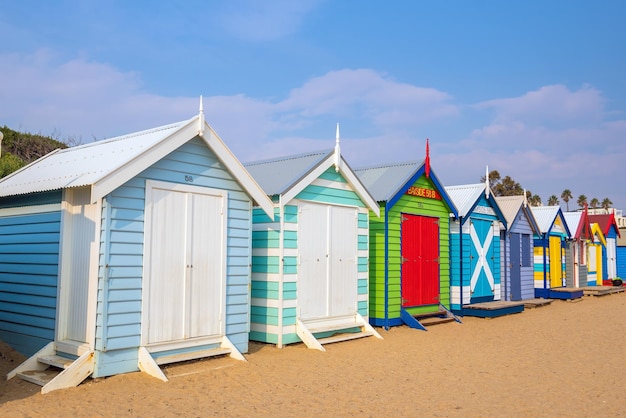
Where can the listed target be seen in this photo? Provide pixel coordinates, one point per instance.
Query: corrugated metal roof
(573, 220)
(510, 206)
(384, 181)
(465, 196)
(545, 216)
(277, 175)
(83, 165)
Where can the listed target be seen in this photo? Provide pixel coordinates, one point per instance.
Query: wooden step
(343, 337)
(435, 321)
(56, 361)
(193, 355)
(440, 314)
(39, 377)
(332, 327)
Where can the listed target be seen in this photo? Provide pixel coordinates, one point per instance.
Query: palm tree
(582, 200)
(594, 203)
(553, 200)
(606, 203)
(566, 196)
(534, 200)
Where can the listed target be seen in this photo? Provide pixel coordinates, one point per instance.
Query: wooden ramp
(536, 303)
(493, 309)
(601, 290)
(314, 334)
(565, 293)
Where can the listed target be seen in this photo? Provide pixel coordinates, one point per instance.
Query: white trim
(30, 210)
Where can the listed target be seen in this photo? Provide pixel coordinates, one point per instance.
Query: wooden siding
(274, 313)
(621, 262)
(29, 256)
(520, 225)
(411, 205)
(122, 238)
(460, 268)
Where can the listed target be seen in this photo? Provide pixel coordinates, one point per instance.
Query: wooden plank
(79, 370)
(32, 364)
(147, 364)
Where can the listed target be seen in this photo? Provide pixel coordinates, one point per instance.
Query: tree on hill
(19, 149)
(582, 200)
(533, 199)
(606, 203)
(594, 203)
(566, 196)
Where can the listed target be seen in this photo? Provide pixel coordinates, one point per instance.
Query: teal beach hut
(310, 263)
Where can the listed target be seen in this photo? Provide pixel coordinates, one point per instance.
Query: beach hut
(576, 248)
(608, 226)
(409, 244)
(620, 252)
(124, 254)
(517, 252)
(595, 249)
(475, 251)
(549, 256)
(309, 265)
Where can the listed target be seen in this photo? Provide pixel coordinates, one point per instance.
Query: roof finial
(427, 160)
(337, 150)
(201, 119)
(487, 181)
(525, 198)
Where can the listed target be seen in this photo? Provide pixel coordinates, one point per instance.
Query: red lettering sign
(422, 192)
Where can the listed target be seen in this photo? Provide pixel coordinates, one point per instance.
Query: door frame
(189, 189)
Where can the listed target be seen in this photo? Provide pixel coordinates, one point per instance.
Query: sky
(533, 89)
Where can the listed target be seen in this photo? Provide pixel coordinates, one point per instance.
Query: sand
(564, 359)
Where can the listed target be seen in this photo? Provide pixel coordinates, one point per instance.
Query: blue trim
(410, 321)
(386, 321)
(381, 322)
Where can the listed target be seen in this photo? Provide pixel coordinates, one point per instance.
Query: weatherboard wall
(30, 228)
(465, 253)
(379, 284)
(274, 291)
(520, 225)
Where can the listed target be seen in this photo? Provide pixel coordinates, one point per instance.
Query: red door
(420, 260)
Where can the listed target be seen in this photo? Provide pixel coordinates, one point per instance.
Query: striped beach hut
(475, 251)
(518, 282)
(610, 229)
(576, 248)
(124, 254)
(309, 264)
(409, 244)
(620, 251)
(549, 255)
(595, 249)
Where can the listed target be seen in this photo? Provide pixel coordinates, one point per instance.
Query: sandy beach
(564, 359)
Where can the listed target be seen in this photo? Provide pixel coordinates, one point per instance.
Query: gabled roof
(106, 165)
(388, 182)
(512, 205)
(596, 231)
(578, 224)
(546, 217)
(288, 176)
(605, 222)
(467, 196)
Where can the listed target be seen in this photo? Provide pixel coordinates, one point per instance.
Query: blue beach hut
(124, 254)
(475, 251)
(517, 248)
(310, 263)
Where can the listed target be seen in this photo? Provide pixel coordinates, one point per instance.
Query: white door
(184, 267)
(327, 274)
(611, 262)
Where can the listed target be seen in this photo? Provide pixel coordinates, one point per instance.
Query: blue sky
(534, 89)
